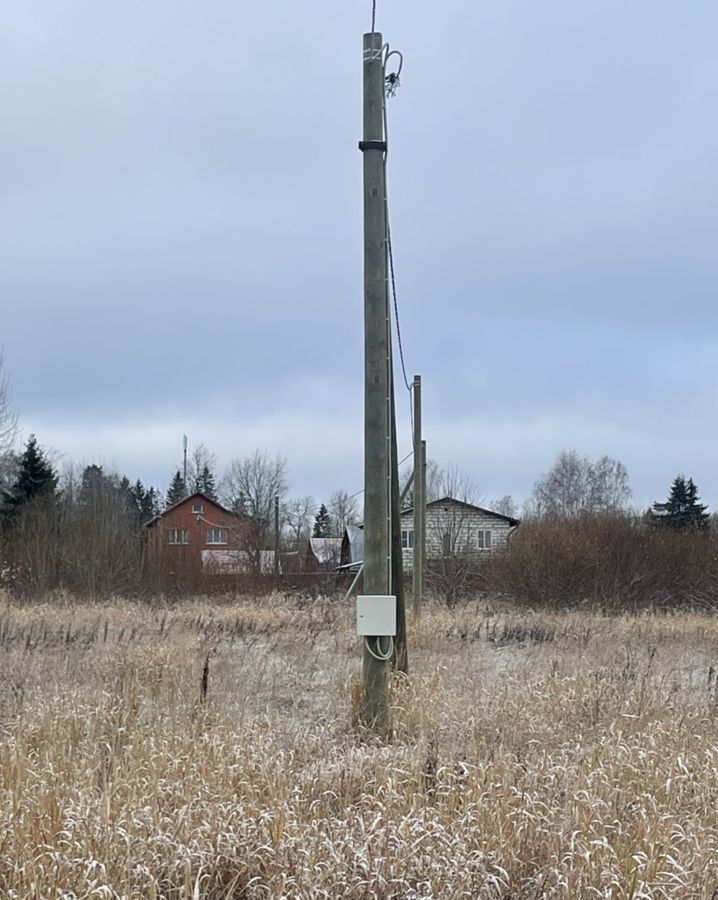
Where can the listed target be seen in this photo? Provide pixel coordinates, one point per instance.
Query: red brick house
(182, 537)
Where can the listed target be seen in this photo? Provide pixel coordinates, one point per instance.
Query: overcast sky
(180, 233)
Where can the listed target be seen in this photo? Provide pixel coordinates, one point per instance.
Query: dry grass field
(535, 755)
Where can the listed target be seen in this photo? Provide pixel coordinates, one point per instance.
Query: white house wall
(462, 525)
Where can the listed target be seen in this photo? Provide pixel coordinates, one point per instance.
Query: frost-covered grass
(535, 755)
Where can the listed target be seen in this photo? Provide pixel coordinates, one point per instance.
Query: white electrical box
(376, 615)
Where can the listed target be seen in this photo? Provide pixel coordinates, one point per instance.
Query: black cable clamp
(372, 145)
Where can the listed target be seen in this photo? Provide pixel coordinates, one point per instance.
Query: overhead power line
(391, 81)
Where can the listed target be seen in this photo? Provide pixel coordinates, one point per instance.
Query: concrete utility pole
(419, 502)
(401, 648)
(377, 385)
(276, 538)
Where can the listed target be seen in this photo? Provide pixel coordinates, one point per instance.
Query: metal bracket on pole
(372, 145)
(354, 583)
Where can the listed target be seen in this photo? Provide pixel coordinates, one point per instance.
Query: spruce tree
(177, 489)
(153, 502)
(35, 478)
(322, 523)
(138, 494)
(206, 483)
(682, 510)
(146, 501)
(94, 485)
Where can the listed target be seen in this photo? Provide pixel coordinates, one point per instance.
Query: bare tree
(453, 568)
(298, 515)
(100, 532)
(343, 510)
(577, 486)
(608, 485)
(456, 484)
(8, 418)
(435, 482)
(8, 433)
(505, 506)
(200, 470)
(248, 488)
(34, 552)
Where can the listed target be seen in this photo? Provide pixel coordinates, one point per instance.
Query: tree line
(578, 487)
(84, 529)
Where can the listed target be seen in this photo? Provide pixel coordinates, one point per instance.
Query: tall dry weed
(535, 755)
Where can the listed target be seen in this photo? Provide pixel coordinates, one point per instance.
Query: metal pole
(377, 399)
(184, 467)
(419, 502)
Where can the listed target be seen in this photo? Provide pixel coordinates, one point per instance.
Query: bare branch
(8, 417)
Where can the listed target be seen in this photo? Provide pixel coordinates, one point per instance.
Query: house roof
(443, 501)
(326, 550)
(186, 499)
(354, 535)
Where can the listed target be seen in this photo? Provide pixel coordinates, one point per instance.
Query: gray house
(352, 549)
(455, 528)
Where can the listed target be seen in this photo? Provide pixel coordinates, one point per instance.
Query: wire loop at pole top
(391, 53)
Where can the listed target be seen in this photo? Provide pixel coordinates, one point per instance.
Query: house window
(407, 538)
(483, 539)
(179, 536)
(216, 535)
(198, 509)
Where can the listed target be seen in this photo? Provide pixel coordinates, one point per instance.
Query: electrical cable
(199, 517)
(396, 305)
(381, 656)
(392, 82)
(361, 490)
(390, 252)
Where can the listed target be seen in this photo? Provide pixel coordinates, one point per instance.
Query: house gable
(456, 527)
(196, 499)
(188, 528)
(462, 504)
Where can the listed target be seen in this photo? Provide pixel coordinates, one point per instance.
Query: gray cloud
(180, 239)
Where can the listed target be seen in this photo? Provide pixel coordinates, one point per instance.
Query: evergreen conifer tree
(139, 494)
(35, 477)
(177, 489)
(94, 485)
(206, 483)
(682, 510)
(153, 503)
(145, 500)
(125, 489)
(322, 523)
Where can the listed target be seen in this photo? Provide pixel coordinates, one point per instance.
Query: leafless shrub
(612, 562)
